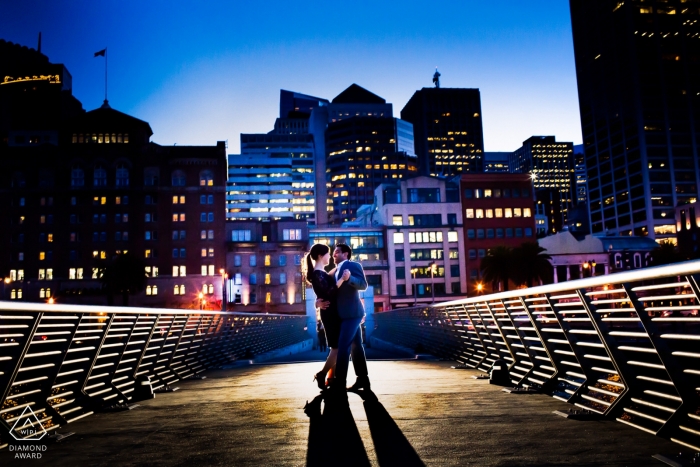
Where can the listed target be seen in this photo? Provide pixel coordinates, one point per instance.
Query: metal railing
(67, 361)
(625, 346)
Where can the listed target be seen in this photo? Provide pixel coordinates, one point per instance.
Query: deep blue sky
(204, 71)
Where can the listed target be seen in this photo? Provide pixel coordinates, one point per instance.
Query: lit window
(148, 254)
(489, 213)
(527, 212)
(452, 236)
(267, 279)
(42, 255)
(470, 214)
(268, 297)
(204, 252)
(398, 238)
(267, 260)
(517, 212)
(499, 212)
(211, 252)
(509, 212)
(42, 274)
(479, 213)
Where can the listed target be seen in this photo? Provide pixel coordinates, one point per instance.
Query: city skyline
(224, 65)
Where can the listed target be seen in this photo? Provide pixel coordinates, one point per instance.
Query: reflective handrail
(65, 362)
(625, 346)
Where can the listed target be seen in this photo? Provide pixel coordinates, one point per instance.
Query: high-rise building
(551, 166)
(365, 146)
(638, 73)
(447, 129)
(274, 177)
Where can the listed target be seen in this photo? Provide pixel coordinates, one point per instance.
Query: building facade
(91, 186)
(447, 129)
(263, 262)
(425, 240)
(272, 179)
(637, 73)
(579, 257)
(498, 211)
(551, 165)
(497, 162)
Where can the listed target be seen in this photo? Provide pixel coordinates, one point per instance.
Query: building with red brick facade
(498, 210)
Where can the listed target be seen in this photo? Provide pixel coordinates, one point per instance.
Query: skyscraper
(637, 70)
(447, 129)
(365, 146)
(551, 165)
(274, 176)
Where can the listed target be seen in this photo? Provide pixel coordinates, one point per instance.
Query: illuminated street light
(415, 288)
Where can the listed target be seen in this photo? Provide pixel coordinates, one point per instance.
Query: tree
(531, 264)
(666, 253)
(125, 275)
(496, 266)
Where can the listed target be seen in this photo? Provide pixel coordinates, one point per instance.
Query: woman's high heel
(320, 379)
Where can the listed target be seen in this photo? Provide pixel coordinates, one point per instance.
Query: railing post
(617, 358)
(683, 386)
(545, 343)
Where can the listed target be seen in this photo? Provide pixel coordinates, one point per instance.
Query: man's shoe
(361, 383)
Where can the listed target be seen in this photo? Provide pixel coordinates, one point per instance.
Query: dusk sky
(199, 72)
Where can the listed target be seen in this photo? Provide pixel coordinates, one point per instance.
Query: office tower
(447, 128)
(272, 178)
(496, 162)
(365, 146)
(497, 212)
(295, 103)
(88, 188)
(637, 77)
(551, 166)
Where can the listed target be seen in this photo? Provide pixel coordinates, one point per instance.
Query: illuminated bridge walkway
(625, 347)
(426, 412)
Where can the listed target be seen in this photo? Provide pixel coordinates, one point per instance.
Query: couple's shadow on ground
(335, 440)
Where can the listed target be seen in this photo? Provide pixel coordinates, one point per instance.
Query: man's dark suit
(350, 307)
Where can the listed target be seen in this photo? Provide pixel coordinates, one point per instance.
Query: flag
(101, 52)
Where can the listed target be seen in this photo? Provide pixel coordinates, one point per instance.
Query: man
(350, 309)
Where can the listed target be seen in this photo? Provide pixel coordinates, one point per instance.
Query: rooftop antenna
(436, 78)
(38, 49)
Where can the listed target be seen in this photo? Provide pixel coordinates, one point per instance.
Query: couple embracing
(342, 312)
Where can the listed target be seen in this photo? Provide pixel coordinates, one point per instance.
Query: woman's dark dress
(325, 288)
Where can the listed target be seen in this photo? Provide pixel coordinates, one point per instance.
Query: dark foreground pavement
(425, 414)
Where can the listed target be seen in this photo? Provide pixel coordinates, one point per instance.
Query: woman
(325, 287)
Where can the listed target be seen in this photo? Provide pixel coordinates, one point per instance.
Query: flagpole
(105, 74)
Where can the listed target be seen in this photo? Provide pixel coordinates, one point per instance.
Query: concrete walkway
(424, 414)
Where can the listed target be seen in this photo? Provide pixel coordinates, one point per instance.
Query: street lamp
(433, 270)
(201, 301)
(224, 276)
(479, 287)
(415, 288)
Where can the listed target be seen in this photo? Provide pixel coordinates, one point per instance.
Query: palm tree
(531, 264)
(496, 266)
(125, 275)
(666, 253)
